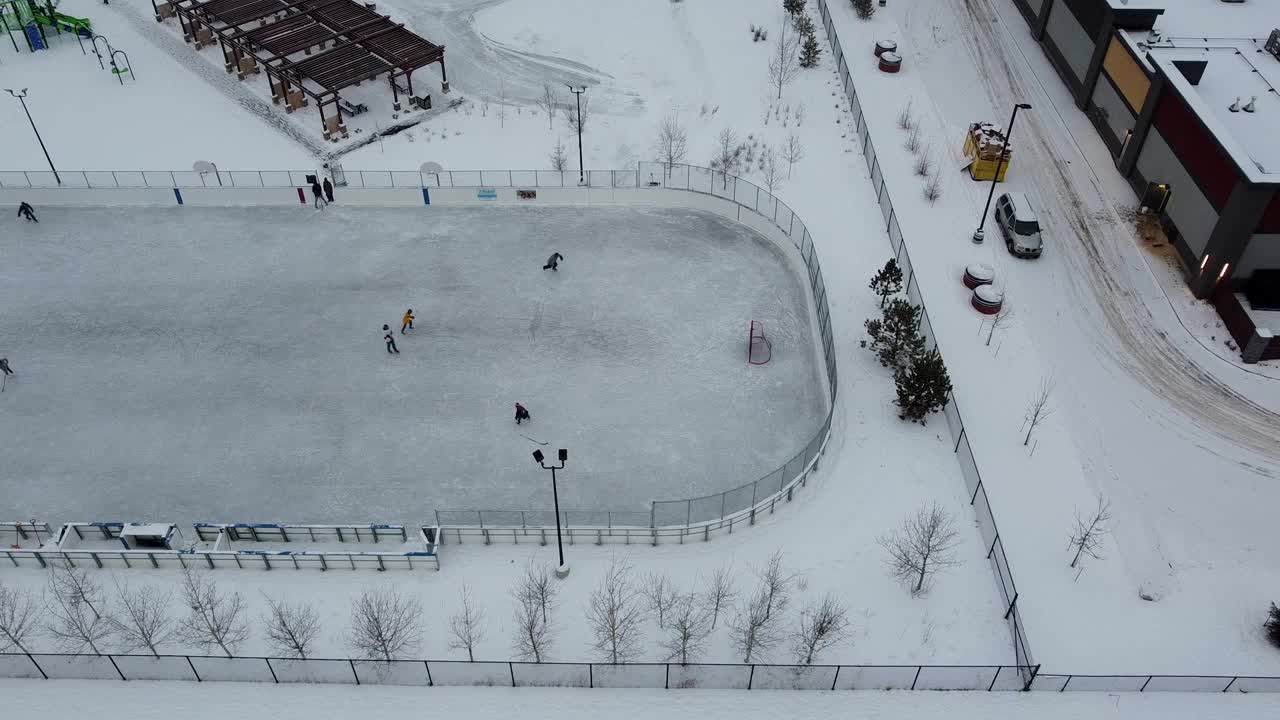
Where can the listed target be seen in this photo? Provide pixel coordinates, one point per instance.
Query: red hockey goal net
(759, 349)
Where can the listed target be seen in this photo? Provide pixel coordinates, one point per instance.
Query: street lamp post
(578, 90)
(22, 95)
(979, 234)
(563, 570)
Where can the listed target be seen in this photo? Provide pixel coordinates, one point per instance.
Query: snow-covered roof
(1230, 39)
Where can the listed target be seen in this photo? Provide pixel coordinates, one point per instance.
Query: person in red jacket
(521, 413)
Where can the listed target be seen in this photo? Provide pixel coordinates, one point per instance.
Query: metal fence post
(354, 674)
(836, 678)
(511, 668)
(33, 662)
(117, 667)
(995, 677)
(917, 678)
(430, 681)
(193, 668)
(273, 670)
(752, 677)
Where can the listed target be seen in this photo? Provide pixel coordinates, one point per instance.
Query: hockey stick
(526, 437)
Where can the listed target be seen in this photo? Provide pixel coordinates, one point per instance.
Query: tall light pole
(979, 234)
(578, 90)
(21, 95)
(563, 570)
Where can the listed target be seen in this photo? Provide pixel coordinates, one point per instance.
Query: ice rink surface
(228, 365)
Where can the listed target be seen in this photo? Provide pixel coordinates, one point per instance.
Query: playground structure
(30, 18)
(309, 49)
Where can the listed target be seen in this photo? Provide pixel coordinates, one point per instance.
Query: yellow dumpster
(983, 144)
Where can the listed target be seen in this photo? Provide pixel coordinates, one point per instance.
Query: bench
(353, 109)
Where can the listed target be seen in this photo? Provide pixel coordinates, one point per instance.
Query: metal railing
(955, 423)
(350, 671)
(370, 179)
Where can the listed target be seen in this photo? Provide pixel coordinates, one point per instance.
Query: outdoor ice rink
(195, 364)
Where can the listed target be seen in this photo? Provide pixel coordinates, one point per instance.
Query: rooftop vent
(1235, 106)
(1273, 43)
(1251, 107)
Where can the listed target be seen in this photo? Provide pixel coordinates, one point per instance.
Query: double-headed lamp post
(22, 95)
(563, 570)
(979, 234)
(578, 90)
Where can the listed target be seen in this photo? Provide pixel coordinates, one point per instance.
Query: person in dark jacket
(316, 193)
(391, 340)
(25, 210)
(521, 413)
(553, 262)
(4, 366)
(328, 191)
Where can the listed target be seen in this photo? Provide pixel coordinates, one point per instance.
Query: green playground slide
(81, 26)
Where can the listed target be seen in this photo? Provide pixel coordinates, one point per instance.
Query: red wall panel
(1212, 170)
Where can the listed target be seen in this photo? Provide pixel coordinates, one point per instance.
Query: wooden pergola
(309, 48)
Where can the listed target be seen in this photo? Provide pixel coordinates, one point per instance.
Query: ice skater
(4, 365)
(26, 211)
(522, 414)
(328, 191)
(553, 262)
(407, 322)
(318, 195)
(391, 340)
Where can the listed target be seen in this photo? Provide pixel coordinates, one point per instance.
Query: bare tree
(385, 624)
(673, 141)
(905, 119)
(570, 111)
(547, 103)
(924, 545)
(913, 139)
(933, 188)
(467, 625)
(660, 594)
(792, 152)
(615, 614)
(924, 162)
(73, 622)
(77, 586)
(690, 624)
(19, 616)
(1039, 408)
(213, 618)
(776, 584)
(291, 629)
(559, 159)
(821, 626)
(142, 620)
(1086, 539)
(539, 584)
(720, 593)
(784, 60)
(533, 631)
(754, 630)
(772, 173)
(728, 153)
(1000, 320)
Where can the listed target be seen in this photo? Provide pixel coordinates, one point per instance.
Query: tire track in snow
(1139, 345)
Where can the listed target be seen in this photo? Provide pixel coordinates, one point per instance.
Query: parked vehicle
(1019, 225)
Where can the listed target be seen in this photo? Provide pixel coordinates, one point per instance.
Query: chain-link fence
(350, 671)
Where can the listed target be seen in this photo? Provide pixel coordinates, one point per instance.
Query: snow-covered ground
(1179, 440)
(161, 701)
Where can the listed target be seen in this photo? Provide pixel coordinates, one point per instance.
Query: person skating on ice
(26, 211)
(521, 413)
(4, 366)
(407, 322)
(553, 262)
(391, 340)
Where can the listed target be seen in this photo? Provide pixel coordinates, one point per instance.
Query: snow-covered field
(161, 701)
(184, 363)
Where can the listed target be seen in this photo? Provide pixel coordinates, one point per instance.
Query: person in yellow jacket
(407, 322)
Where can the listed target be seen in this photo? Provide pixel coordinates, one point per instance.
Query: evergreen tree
(923, 388)
(888, 281)
(810, 52)
(793, 7)
(864, 8)
(1272, 625)
(895, 337)
(802, 24)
